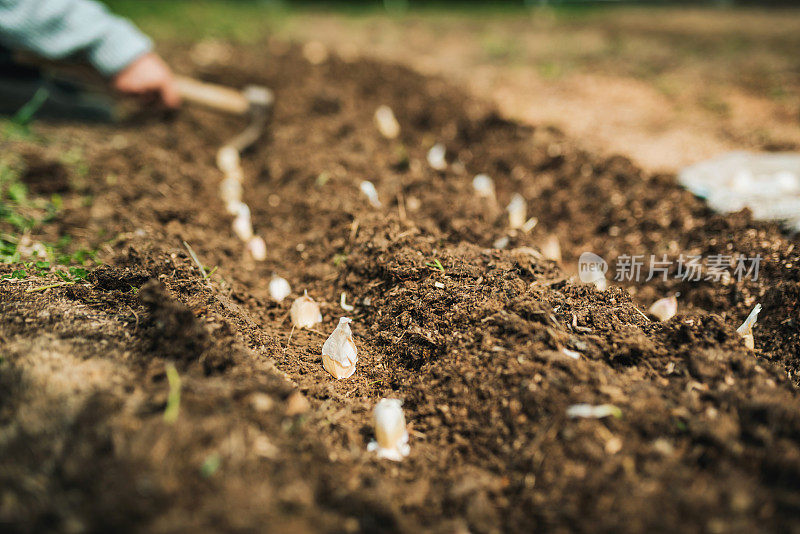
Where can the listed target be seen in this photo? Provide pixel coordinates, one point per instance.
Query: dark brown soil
(708, 440)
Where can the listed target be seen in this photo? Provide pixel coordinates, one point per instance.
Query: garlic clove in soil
(517, 211)
(746, 330)
(368, 188)
(339, 353)
(600, 283)
(230, 190)
(235, 207)
(588, 411)
(483, 186)
(279, 288)
(257, 248)
(242, 226)
(228, 159)
(386, 122)
(664, 309)
(436, 157)
(391, 436)
(551, 249)
(305, 312)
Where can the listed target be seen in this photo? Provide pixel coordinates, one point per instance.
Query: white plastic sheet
(768, 184)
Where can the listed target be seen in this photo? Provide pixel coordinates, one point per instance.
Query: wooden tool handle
(212, 96)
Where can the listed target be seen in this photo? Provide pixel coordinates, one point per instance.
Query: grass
(436, 265)
(173, 407)
(21, 214)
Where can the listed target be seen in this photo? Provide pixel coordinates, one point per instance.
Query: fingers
(170, 95)
(149, 75)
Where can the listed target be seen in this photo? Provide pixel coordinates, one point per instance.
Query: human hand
(147, 75)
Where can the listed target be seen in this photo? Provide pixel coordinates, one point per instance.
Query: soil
(709, 434)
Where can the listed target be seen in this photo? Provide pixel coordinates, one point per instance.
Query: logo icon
(591, 268)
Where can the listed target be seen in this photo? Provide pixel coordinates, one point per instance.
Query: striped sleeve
(56, 29)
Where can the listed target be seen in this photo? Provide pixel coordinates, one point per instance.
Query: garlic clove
(242, 210)
(386, 122)
(664, 309)
(436, 157)
(243, 228)
(279, 288)
(517, 211)
(588, 411)
(483, 186)
(391, 435)
(551, 249)
(746, 330)
(234, 207)
(343, 303)
(339, 353)
(529, 225)
(228, 159)
(257, 248)
(501, 242)
(305, 312)
(368, 188)
(600, 283)
(230, 190)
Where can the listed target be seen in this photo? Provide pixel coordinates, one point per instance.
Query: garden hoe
(76, 90)
(254, 102)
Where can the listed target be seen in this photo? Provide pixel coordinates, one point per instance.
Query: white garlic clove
(391, 435)
(279, 288)
(257, 248)
(483, 186)
(664, 309)
(343, 303)
(243, 228)
(588, 411)
(436, 157)
(228, 159)
(501, 242)
(746, 330)
(305, 312)
(242, 210)
(235, 174)
(551, 249)
(230, 190)
(600, 283)
(517, 211)
(529, 225)
(386, 122)
(368, 188)
(339, 353)
(234, 207)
